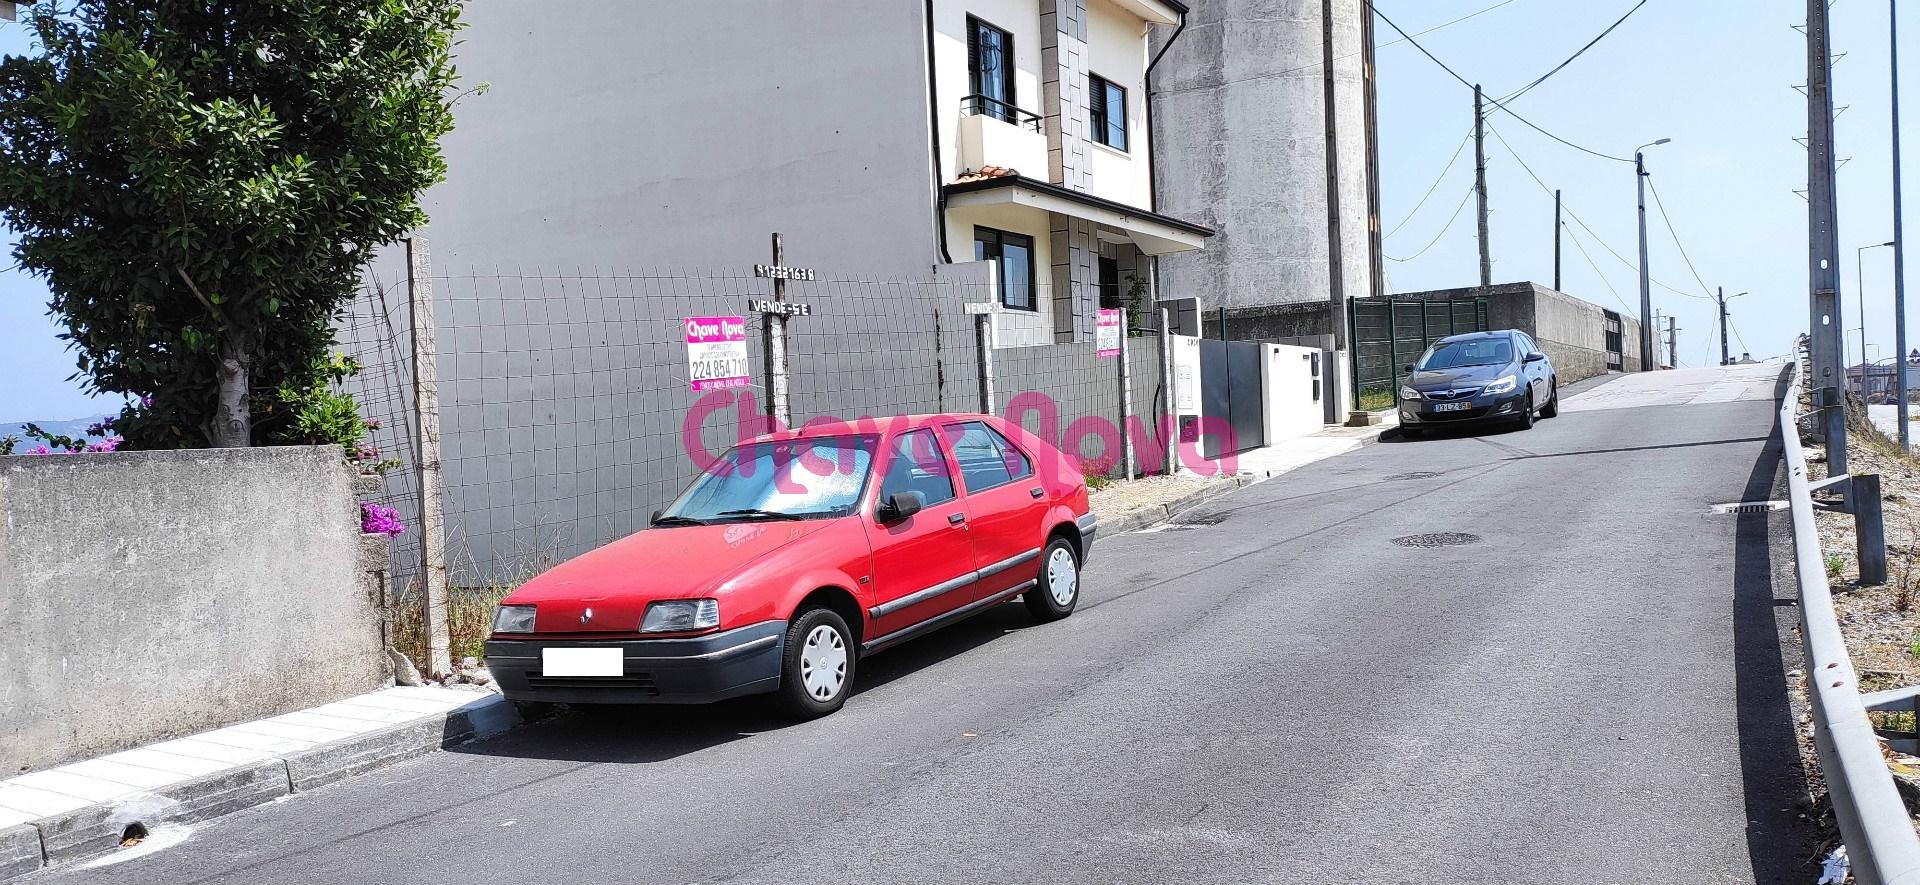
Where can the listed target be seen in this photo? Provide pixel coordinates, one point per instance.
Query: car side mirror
(654, 518)
(902, 505)
(1406, 369)
(1536, 356)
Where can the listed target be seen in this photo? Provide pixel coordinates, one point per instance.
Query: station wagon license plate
(581, 662)
(1452, 407)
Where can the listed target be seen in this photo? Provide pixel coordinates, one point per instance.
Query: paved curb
(1151, 516)
(97, 828)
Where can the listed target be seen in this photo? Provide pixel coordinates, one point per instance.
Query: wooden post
(1126, 403)
(426, 404)
(775, 326)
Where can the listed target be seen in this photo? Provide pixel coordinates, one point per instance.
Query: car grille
(1444, 396)
(636, 682)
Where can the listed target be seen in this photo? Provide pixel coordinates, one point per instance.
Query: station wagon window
(914, 464)
(986, 458)
(1107, 112)
(1015, 254)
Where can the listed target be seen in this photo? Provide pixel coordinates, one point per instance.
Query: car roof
(829, 425)
(1476, 336)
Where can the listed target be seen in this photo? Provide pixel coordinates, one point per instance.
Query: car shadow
(1397, 435)
(639, 734)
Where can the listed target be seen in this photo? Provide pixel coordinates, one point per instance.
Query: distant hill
(58, 427)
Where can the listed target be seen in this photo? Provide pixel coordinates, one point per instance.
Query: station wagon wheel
(817, 664)
(1057, 588)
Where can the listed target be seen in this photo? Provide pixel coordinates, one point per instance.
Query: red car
(795, 555)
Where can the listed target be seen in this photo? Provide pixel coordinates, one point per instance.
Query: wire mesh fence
(568, 414)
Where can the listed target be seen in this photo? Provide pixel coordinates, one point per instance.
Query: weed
(1835, 565)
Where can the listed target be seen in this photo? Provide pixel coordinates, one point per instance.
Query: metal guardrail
(1879, 834)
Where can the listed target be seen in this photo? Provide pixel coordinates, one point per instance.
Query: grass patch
(1835, 565)
(469, 620)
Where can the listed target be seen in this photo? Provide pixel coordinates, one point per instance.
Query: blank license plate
(1452, 407)
(580, 662)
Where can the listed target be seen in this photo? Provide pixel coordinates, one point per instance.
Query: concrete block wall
(145, 595)
(1570, 330)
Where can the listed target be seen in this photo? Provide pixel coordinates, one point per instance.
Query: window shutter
(973, 57)
(1097, 101)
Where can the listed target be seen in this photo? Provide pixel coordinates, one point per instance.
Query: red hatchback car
(795, 555)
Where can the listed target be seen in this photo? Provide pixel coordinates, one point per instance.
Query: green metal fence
(1388, 335)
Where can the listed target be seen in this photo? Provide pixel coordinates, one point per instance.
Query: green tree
(201, 184)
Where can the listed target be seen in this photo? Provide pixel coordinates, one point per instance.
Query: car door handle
(956, 518)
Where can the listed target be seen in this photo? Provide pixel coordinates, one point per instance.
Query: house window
(1109, 283)
(1015, 254)
(1108, 112)
(990, 70)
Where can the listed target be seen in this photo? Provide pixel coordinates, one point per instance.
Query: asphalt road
(1272, 691)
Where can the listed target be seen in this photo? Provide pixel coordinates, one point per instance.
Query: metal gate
(1390, 334)
(1231, 389)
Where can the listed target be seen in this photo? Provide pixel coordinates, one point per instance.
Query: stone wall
(146, 595)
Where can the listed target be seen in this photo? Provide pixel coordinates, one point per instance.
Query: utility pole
(1725, 358)
(1673, 343)
(1480, 185)
(1556, 239)
(1899, 261)
(1828, 344)
(1647, 335)
(1659, 359)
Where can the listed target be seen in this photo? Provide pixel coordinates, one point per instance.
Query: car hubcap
(823, 662)
(1063, 577)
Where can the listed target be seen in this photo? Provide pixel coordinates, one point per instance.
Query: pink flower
(378, 520)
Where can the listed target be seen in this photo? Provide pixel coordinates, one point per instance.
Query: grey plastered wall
(1240, 144)
(145, 595)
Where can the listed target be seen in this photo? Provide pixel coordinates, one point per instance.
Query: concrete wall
(682, 134)
(1241, 147)
(145, 595)
(1570, 330)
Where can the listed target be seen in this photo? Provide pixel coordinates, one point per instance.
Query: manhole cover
(1749, 507)
(1418, 474)
(1438, 539)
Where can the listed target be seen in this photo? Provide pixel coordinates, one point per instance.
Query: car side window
(914, 464)
(986, 459)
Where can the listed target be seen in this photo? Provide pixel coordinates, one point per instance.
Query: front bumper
(742, 661)
(1505, 407)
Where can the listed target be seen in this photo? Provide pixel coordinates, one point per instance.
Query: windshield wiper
(677, 520)
(756, 513)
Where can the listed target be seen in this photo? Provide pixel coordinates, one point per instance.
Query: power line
(1597, 272)
(1496, 103)
(1433, 187)
(1309, 67)
(1577, 219)
(1557, 68)
(1443, 230)
(1676, 242)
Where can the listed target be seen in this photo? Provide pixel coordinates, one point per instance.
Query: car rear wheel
(817, 669)
(1552, 408)
(1058, 589)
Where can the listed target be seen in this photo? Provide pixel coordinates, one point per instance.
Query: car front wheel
(817, 670)
(1058, 588)
(1552, 408)
(1525, 421)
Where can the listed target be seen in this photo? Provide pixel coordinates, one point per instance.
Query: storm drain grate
(1748, 507)
(1438, 539)
(1418, 474)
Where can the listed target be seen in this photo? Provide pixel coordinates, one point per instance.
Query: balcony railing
(988, 106)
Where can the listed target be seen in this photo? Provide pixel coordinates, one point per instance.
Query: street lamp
(1860, 288)
(1646, 287)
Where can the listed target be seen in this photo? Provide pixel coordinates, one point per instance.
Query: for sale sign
(716, 352)
(1106, 332)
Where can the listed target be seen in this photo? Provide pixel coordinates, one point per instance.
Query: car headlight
(1505, 384)
(513, 619)
(681, 615)
(1409, 393)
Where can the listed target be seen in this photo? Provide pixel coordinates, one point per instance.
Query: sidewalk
(85, 809)
(1126, 506)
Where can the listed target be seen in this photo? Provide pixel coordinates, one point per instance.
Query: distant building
(1878, 381)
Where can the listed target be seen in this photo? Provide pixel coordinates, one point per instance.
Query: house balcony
(995, 133)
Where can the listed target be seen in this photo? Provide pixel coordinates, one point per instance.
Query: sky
(1716, 76)
(1719, 79)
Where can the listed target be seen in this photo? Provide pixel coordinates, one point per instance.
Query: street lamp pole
(1646, 283)
(1860, 290)
(1899, 260)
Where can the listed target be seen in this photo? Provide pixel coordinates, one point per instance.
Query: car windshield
(1473, 352)
(785, 479)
